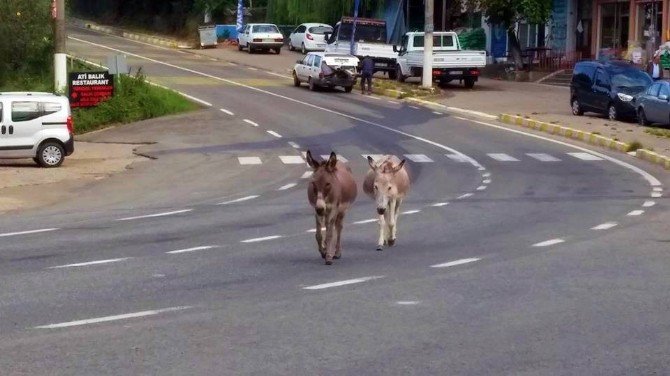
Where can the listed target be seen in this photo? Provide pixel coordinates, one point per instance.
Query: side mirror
(663, 97)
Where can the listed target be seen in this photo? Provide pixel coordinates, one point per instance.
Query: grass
(659, 132)
(408, 89)
(634, 145)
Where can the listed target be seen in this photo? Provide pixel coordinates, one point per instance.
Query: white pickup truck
(370, 40)
(449, 61)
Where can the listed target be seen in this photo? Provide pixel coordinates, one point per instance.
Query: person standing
(654, 68)
(367, 70)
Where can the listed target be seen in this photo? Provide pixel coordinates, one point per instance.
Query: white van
(36, 125)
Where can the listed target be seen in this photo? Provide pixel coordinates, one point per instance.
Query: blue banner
(353, 27)
(240, 15)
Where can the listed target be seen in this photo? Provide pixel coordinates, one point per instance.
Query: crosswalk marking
(585, 156)
(339, 158)
(419, 158)
(542, 157)
(502, 157)
(249, 160)
(374, 156)
(458, 157)
(291, 159)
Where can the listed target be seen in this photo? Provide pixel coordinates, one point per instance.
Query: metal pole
(444, 15)
(353, 27)
(60, 55)
(427, 79)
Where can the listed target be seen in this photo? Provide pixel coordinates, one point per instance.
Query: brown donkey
(331, 192)
(387, 183)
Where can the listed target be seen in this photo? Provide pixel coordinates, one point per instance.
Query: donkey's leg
(395, 221)
(338, 226)
(330, 232)
(320, 222)
(393, 216)
(382, 229)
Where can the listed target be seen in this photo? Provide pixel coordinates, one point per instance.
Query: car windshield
(630, 78)
(265, 29)
(320, 29)
(364, 33)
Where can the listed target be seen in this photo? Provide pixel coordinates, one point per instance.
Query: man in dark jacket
(367, 70)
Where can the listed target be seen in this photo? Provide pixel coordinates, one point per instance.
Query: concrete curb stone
(590, 138)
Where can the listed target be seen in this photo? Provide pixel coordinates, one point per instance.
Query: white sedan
(321, 69)
(260, 37)
(309, 37)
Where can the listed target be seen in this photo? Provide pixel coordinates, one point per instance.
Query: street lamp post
(60, 56)
(427, 77)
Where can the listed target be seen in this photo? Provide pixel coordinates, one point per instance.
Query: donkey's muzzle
(381, 211)
(320, 211)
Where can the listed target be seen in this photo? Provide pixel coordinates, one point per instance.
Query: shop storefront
(624, 26)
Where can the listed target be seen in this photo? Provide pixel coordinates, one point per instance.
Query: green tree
(508, 12)
(27, 38)
(327, 11)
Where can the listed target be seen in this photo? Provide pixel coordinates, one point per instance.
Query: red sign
(88, 89)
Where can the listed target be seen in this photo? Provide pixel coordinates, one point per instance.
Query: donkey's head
(384, 186)
(324, 185)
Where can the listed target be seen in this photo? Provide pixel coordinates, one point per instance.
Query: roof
(364, 21)
(309, 24)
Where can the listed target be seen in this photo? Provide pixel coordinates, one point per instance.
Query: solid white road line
(287, 186)
(393, 102)
(241, 199)
(292, 159)
(274, 133)
(438, 204)
(278, 75)
(586, 156)
(502, 157)
(635, 213)
(294, 145)
(419, 158)
(307, 174)
(604, 226)
(648, 204)
(464, 196)
(481, 188)
(454, 263)
(547, 243)
(112, 318)
(27, 232)
(194, 249)
(98, 262)
(342, 283)
(249, 160)
(265, 238)
(366, 221)
(339, 158)
(542, 157)
(414, 107)
(411, 212)
(165, 214)
(437, 113)
(250, 122)
(373, 97)
(227, 112)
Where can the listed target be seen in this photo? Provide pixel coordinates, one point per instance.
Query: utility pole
(60, 57)
(427, 79)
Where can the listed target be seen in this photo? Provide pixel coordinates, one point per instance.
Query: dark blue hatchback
(609, 88)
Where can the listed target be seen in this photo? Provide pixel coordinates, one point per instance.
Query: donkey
(387, 183)
(331, 192)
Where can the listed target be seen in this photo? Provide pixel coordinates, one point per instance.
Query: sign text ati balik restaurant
(88, 89)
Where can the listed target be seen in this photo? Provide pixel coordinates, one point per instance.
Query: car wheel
(348, 89)
(642, 118)
(577, 108)
(312, 87)
(250, 49)
(278, 50)
(303, 49)
(612, 113)
(398, 74)
(239, 46)
(290, 46)
(50, 154)
(469, 82)
(296, 80)
(393, 74)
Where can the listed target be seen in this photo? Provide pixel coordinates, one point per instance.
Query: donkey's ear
(310, 161)
(371, 162)
(399, 166)
(332, 161)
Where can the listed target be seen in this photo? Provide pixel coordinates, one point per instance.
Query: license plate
(455, 72)
(268, 40)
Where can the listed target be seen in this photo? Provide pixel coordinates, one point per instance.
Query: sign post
(357, 3)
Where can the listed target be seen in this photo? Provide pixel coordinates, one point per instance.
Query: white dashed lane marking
(635, 213)
(291, 159)
(250, 122)
(586, 156)
(604, 226)
(410, 212)
(241, 199)
(481, 188)
(438, 204)
(419, 158)
(466, 195)
(657, 189)
(306, 175)
(194, 249)
(287, 186)
(542, 157)
(501, 157)
(548, 243)
(342, 283)
(656, 194)
(454, 263)
(263, 239)
(294, 145)
(407, 302)
(27, 232)
(274, 133)
(366, 221)
(648, 204)
(111, 318)
(89, 263)
(165, 214)
(227, 112)
(249, 160)
(339, 158)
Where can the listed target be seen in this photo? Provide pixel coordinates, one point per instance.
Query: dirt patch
(24, 185)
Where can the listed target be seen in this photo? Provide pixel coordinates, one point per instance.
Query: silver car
(653, 105)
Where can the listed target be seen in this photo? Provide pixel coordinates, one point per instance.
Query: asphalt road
(515, 254)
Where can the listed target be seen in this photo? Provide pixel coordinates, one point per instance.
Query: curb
(165, 42)
(590, 138)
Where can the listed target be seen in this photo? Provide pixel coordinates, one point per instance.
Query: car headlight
(625, 97)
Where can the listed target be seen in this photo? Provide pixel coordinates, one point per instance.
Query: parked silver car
(653, 105)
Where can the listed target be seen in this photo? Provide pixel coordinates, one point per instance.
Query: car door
(601, 91)
(4, 136)
(316, 67)
(648, 101)
(244, 36)
(662, 107)
(305, 67)
(297, 36)
(21, 127)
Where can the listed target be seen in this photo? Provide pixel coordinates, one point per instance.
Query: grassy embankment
(134, 100)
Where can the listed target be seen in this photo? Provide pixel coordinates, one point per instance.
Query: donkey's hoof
(336, 257)
(391, 242)
(329, 262)
(323, 255)
(379, 248)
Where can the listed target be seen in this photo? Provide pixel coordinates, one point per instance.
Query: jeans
(366, 77)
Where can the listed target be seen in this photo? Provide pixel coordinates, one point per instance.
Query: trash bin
(208, 36)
